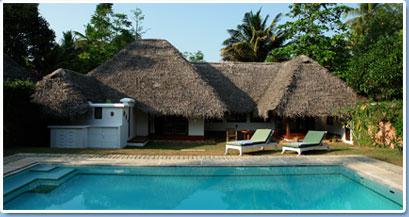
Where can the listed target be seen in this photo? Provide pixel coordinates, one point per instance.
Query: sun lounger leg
(226, 151)
(241, 152)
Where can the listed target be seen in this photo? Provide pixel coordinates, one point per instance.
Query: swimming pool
(59, 187)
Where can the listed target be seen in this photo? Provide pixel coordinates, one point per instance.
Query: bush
(376, 123)
(378, 72)
(23, 124)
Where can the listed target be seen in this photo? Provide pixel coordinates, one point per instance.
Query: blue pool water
(195, 188)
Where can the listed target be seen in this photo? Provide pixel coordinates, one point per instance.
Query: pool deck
(380, 171)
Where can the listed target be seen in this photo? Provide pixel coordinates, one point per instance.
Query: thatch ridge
(314, 92)
(155, 73)
(278, 88)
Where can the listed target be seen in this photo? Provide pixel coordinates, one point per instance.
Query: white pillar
(196, 127)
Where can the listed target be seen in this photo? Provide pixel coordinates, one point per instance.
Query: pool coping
(379, 171)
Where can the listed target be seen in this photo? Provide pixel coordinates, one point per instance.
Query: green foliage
(375, 21)
(308, 33)
(28, 40)
(362, 15)
(252, 40)
(377, 72)
(20, 85)
(364, 118)
(138, 18)
(105, 34)
(194, 57)
(68, 53)
(22, 122)
(375, 69)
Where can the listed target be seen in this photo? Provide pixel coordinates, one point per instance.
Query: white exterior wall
(344, 139)
(196, 127)
(111, 131)
(103, 137)
(68, 137)
(123, 136)
(132, 123)
(107, 119)
(142, 123)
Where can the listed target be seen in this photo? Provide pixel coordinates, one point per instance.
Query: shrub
(376, 123)
(23, 124)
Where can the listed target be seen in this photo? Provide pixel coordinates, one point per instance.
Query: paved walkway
(377, 170)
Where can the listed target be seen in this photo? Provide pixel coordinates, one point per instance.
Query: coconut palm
(362, 14)
(252, 40)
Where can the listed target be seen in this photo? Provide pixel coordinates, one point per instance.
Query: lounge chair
(260, 139)
(312, 141)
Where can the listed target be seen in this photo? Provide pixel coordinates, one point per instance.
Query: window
(97, 113)
(112, 114)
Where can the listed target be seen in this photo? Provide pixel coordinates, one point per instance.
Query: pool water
(197, 188)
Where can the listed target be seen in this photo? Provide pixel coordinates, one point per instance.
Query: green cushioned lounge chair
(312, 141)
(260, 139)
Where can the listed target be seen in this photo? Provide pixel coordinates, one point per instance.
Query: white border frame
(216, 2)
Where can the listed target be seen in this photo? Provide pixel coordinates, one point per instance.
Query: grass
(216, 148)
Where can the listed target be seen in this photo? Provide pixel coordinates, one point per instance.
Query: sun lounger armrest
(293, 144)
(240, 142)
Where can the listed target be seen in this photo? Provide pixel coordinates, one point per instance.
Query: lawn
(216, 148)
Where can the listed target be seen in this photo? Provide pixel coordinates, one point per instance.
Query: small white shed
(107, 126)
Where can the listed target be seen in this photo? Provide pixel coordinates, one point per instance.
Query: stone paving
(377, 170)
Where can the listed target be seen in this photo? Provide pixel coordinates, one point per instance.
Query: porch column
(196, 127)
(287, 127)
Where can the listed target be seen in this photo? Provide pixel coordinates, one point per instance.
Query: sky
(189, 27)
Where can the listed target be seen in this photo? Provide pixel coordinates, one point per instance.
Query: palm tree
(362, 15)
(252, 40)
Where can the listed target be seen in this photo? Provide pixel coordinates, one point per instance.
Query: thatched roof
(65, 93)
(13, 71)
(156, 75)
(299, 87)
(239, 85)
(305, 88)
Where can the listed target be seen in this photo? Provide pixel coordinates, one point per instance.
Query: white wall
(196, 127)
(103, 137)
(107, 119)
(68, 137)
(141, 123)
(132, 123)
(344, 139)
(123, 135)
